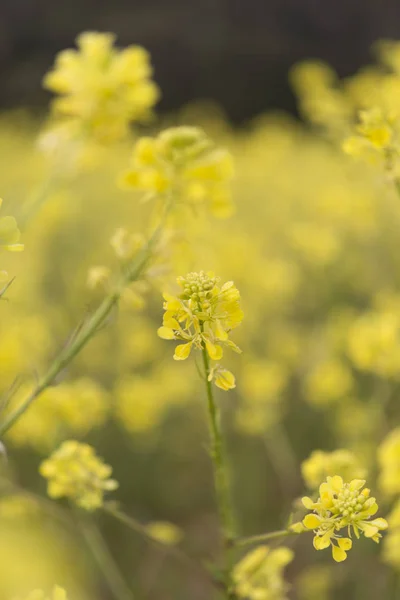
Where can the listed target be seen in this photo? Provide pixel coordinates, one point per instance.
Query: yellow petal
(338, 554)
(369, 530)
(215, 352)
(356, 484)
(321, 542)
(225, 380)
(165, 333)
(182, 351)
(345, 543)
(307, 502)
(311, 521)
(380, 523)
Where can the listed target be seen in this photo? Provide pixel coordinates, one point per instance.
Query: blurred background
(313, 248)
(236, 52)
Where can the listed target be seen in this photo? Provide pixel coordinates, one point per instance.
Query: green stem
(105, 561)
(263, 537)
(220, 469)
(87, 331)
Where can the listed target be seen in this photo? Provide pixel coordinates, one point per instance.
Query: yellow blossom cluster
(69, 408)
(75, 472)
(319, 465)
(259, 575)
(202, 316)
(340, 506)
(389, 462)
(182, 166)
(101, 90)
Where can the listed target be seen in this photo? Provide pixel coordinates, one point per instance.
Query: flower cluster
(75, 472)
(319, 465)
(342, 506)
(259, 575)
(101, 89)
(391, 548)
(389, 462)
(59, 412)
(202, 317)
(184, 165)
(376, 139)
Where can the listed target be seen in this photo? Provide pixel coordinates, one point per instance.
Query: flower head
(259, 575)
(182, 162)
(320, 465)
(75, 472)
(389, 462)
(101, 89)
(202, 316)
(376, 139)
(342, 506)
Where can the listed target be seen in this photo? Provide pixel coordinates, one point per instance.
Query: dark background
(236, 52)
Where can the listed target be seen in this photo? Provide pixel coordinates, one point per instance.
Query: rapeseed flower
(342, 506)
(202, 317)
(75, 472)
(183, 165)
(101, 90)
(389, 462)
(319, 465)
(259, 575)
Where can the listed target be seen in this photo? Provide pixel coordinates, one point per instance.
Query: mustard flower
(58, 593)
(376, 138)
(259, 575)
(183, 164)
(319, 465)
(391, 547)
(342, 506)
(202, 316)
(389, 462)
(75, 472)
(102, 90)
(59, 412)
(330, 381)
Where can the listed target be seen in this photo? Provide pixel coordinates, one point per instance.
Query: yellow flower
(101, 89)
(330, 381)
(391, 548)
(58, 413)
(342, 506)
(259, 575)
(222, 378)
(183, 164)
(389, 462)
(202, 316)
(321, 464)
(374, 342)
(75, 472)
(376, 138)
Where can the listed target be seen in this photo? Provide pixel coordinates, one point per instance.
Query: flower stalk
(88, 329)
(219, 466)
